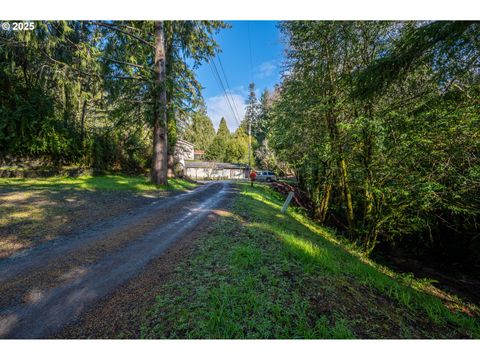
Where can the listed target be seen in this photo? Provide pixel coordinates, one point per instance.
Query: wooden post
(287, 202)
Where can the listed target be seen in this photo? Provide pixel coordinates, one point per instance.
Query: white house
(211, 170)
(184, 150)
(186, 164)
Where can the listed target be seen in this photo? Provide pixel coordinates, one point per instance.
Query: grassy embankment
(261, 274)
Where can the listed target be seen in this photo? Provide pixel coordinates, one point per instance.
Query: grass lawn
(37, 210)
(107, 182)
(261, 274)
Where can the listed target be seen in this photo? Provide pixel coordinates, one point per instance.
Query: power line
(217, 77)
(250, 51)
(229, 101)
(249, 118)
(228, 86)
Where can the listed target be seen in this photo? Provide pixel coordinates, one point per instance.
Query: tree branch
(121, 31)
(126, 63)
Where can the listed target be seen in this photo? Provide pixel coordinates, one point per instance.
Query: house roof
(212, 164)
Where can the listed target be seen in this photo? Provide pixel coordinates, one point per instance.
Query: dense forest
(84, 93)
(378, 121)
(92, 93)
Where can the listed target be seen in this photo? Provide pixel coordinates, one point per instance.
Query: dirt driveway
(53, 284)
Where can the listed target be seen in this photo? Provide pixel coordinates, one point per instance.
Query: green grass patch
(37, 210)
(263, 274)
(93, 183)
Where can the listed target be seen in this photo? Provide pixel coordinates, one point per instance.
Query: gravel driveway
(50, 286)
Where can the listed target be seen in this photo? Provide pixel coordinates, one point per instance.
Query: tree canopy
(379, 121)
(85, 92)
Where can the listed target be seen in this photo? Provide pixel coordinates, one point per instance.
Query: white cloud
(266, 69)
(241, 90)
(217, 107)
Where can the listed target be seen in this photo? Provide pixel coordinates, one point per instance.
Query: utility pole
(249, 140)
(252, 94)
(250, 118)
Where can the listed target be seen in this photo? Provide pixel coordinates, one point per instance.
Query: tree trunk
(159, 162)
(322, 208)
(343, 172)
(347, 195)
(82, 122)
(171, 166)
(322, 212)
(367, 160)
(171, 121)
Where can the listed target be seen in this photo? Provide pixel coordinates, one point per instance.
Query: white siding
(204, 173)
(183, 151)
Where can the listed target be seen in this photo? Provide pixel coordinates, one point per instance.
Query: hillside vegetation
(261, 274)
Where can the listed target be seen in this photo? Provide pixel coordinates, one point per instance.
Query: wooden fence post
(287, 202)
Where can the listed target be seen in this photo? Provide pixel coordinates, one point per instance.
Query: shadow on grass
(28, 217)
(92, 183)
(37, 210)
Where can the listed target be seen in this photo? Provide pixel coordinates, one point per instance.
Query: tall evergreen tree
(218, 148)
(192, 40)
(249, 123)
(200, 130)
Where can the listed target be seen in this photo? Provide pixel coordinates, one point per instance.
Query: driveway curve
(49, 287)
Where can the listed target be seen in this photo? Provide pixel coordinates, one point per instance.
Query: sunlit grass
(35, 210)
(29, 213)
(91, 183)
(12, 214)
(256, 274)
(417, 294)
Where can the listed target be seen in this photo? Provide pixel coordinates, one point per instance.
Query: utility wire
(251, 110)
(250, 51)
(219, 81)
(228, 86)
(213, 67)
(229, 101)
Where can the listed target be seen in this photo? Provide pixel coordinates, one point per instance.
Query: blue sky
(267, 53)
